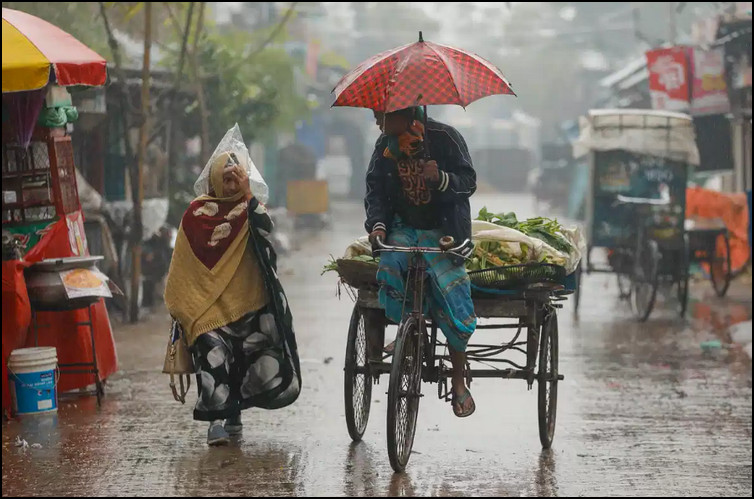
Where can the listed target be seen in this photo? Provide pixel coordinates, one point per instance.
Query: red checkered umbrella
(420, 74)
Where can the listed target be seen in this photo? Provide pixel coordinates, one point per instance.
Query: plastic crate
(518, 276)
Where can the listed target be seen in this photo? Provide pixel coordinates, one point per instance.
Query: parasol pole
(426, 135)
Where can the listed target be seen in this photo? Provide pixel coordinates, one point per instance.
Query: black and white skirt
(241, 365)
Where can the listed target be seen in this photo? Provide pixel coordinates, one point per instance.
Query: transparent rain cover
(232, 142)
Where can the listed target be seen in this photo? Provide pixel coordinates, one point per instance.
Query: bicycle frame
(527, 327)
(416, 278)
(417, 272)
(639, 211)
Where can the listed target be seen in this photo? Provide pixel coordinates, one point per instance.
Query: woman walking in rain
(223, 293)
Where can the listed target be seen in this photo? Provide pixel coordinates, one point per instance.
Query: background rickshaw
(636, 205)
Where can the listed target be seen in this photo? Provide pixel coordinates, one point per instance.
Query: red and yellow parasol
(33, 49)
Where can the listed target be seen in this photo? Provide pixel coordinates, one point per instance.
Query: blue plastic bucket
(33, 372)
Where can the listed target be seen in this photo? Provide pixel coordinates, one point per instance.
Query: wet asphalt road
(642, 411)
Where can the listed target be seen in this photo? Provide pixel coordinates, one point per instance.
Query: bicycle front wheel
(644, 279)
(404, 393)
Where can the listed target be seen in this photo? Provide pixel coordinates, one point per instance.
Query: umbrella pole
(426, 135)
(426, 132)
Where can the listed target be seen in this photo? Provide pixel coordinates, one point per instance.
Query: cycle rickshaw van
(639, 162)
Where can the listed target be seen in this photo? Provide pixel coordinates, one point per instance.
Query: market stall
(41, 212)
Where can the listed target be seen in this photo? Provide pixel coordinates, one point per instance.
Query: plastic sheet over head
(233, 143)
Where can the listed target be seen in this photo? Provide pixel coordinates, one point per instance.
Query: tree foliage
(246, 80)
(258, 91)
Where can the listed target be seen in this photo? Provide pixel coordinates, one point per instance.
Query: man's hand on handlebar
(375, 236)
(446, 245)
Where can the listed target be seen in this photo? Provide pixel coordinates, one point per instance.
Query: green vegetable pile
(489, 254)
(544, 229)
(332, 265)
(493, 254)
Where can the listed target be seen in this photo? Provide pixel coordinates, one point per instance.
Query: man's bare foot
(390, 348)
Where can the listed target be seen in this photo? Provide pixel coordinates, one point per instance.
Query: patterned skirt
(236, 364)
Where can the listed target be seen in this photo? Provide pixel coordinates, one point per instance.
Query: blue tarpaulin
(312, 134)
(748, 198)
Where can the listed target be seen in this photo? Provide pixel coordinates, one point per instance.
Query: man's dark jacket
(457, 183)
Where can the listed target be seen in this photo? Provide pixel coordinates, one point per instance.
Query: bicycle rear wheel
(547, 379)
(357, 377)
(720, 266)
(577, 291)
(683, 277)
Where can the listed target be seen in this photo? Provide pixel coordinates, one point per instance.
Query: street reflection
(546, 483)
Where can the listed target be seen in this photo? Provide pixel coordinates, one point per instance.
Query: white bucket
(33, 373)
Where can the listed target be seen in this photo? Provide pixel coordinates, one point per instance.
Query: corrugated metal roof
(635, 79)
(625, 72)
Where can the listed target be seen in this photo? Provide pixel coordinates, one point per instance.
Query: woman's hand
(243, 182)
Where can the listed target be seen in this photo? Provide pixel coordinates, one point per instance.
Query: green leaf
(133, 11)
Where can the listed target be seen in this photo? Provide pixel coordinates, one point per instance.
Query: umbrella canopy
(420, 74)
(32, 46)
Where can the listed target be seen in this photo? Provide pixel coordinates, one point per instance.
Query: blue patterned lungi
(448, 301)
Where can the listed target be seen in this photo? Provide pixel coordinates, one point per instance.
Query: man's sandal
(458, 402)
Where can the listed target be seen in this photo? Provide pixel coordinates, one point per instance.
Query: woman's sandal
(458, 402)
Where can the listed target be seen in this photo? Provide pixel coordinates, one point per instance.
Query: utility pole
(672, 22)
(203, 111)
(138, 193)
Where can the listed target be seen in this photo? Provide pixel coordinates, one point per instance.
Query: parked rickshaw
(636, 206)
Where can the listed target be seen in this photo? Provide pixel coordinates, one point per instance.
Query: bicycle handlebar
(381, 246)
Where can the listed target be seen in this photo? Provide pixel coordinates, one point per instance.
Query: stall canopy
(34, 49)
